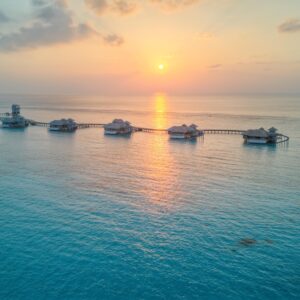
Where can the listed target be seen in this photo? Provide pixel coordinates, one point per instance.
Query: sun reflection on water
(160, 107)
(161, 173)
(161, 170)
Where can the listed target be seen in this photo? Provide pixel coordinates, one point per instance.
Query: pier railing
(206, 131)
(80, 125)
(223, 131)
(281, 138)
(144, 129)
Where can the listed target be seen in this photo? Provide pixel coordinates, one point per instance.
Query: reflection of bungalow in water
(14, 119)
(118, 127)
(183, 132)
(65, 125)
(260, 136)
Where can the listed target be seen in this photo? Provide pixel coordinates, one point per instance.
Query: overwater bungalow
(118, 127)
(14, 119)
(260, 136)
(183, 132)
(64, 125)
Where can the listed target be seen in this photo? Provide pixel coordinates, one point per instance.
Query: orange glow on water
(160, 102)
(161, 189)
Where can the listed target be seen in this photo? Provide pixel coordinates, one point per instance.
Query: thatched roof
(183, 129)
(63, 122)
(272, 129)
(117, 124)
(261, 133)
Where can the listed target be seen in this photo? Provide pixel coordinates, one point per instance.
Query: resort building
(118, 127)
(14, 119)
(183, 132)
(260, 136)
(64, 125)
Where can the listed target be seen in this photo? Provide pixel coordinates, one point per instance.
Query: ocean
(88, 216)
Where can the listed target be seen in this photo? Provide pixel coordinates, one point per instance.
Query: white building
(117, 127)
(260, 136)
(183, 132)
(14, 119)
(65, 125)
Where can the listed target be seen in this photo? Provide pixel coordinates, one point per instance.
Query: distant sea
(87, 216)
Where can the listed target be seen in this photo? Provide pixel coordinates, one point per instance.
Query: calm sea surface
(86, 216)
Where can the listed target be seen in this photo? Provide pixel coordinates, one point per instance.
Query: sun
(161, 67)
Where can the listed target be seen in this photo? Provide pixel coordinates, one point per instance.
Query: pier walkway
(15, 118)
(144, 129)
(80, 125)
(205, 131)
(281, 138)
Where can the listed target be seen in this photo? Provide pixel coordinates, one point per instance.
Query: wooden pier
(80, 125)
(223, 131)
(281, 138)
(150, 130)
(90, 125)
(271, 136)
(205, 131)
(36, 123)
(144, 129)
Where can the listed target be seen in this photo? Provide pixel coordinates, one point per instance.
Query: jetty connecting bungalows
(14, 119)
(63, 125)
(183, 132)
(260, 136)
(118, 127)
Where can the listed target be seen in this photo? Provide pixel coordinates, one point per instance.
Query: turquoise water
(86, 216)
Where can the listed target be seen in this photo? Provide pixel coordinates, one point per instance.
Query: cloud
(126, 7)
(216, 66)
(171, 5)
(121, 7)
(113, 39)
(98, 6)
(52, 24)
(205, 35)
(38, 2)
(3, 18)
(289, 26)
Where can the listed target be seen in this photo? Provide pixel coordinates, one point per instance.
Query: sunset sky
(148, 46)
